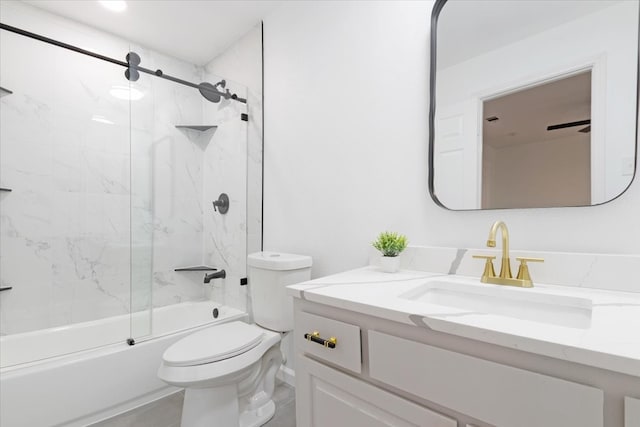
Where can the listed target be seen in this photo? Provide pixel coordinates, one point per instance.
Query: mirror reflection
(535, 103)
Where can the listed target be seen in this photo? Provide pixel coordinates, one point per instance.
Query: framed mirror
(534, 103)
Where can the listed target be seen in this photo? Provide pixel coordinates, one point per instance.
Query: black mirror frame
(435, 13)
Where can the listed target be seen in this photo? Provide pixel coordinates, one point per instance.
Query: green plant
(390, 244)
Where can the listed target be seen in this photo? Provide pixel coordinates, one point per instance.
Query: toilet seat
(221, 371)
(214, 344)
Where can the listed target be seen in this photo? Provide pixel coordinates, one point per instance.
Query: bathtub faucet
(216, 275)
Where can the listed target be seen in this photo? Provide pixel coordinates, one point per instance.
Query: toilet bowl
(228, 370)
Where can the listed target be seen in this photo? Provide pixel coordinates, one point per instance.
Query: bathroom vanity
(427, 348)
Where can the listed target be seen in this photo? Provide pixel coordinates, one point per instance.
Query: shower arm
(126, 64)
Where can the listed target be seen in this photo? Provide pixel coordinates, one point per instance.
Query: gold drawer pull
(315, 337)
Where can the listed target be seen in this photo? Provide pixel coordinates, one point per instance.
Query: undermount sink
(525, 304)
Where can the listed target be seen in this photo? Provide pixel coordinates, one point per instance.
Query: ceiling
(195, 31)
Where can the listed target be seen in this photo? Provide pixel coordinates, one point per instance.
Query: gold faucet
(505, 265)
(523, 279)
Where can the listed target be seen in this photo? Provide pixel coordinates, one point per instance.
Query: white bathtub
(86, 386)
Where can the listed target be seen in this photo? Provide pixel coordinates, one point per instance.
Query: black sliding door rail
(203, 87)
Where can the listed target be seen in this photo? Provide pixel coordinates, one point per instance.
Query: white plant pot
(390, 264)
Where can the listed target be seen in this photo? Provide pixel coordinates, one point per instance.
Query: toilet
(228, 370)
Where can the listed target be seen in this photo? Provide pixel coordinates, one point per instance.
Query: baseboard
(287, 375)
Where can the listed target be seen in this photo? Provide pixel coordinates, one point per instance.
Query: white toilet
(229, 370)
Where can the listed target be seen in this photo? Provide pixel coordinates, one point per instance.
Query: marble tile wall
(225, 171)
(102, 212)
(64, 229)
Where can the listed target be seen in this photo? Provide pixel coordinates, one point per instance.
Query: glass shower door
(141, 104)
(65, 224)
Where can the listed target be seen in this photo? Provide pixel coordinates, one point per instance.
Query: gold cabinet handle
(315, 337)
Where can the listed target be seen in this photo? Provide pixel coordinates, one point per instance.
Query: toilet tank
(268, 274)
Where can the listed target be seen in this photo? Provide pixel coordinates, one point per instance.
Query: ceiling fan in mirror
(586, 129)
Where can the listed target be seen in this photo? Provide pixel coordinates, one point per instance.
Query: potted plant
(390, 244)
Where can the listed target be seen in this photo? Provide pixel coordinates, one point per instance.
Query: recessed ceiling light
(127, 93)
(114, 5)
(101, 119)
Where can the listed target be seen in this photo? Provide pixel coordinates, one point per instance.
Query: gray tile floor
(167, 411)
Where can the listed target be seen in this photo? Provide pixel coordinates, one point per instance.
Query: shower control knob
(222, 204)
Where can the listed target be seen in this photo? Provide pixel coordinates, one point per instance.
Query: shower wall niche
(109, 194)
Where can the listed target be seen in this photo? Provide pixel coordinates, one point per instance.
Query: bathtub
(86, 386)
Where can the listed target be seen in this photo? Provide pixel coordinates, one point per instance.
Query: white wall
(346, 135)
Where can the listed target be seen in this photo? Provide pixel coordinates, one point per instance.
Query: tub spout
(216, 275)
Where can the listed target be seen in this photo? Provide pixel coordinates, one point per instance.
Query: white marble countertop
(611, 340)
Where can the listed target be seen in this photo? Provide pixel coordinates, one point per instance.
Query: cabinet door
(494, 393)
(631, 412)
(327, 397)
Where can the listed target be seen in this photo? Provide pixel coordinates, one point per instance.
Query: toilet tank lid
(278, 261)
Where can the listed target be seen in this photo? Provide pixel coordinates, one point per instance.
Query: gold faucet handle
(487, 257)
(525, 259)
(488, 267)
(523, 270)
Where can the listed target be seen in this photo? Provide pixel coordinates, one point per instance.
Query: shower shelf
(4, 92)
(196, 268)
(199, 128)
(8, 190)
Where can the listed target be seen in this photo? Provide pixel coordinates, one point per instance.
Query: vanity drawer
(494, 393)
(347, 351)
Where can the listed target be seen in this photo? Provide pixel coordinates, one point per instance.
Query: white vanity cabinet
(327, 396)
(382, 373)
